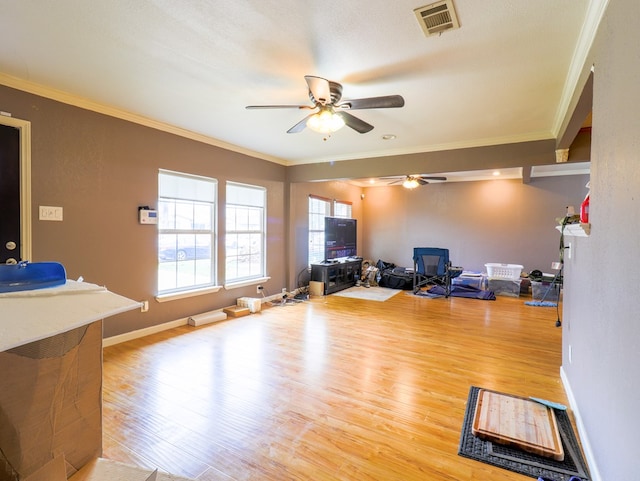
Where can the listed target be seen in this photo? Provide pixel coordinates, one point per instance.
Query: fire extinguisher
(584, 207)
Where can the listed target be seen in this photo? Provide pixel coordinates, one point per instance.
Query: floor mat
(520, 461)
(374, 293)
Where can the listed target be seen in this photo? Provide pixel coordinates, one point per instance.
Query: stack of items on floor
(394, 277)
(504, 279)
(545, 287)
(472, 279)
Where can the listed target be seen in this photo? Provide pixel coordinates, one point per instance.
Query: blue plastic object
(550, 404)
(26, 276)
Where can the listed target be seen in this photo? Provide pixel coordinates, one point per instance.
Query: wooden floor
(329, 389)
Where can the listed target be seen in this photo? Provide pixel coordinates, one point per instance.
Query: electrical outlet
(284, 290)
(259, 289)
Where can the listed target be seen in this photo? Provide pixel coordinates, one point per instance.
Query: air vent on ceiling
(437, 17)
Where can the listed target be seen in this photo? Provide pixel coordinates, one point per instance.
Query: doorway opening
(15, 164)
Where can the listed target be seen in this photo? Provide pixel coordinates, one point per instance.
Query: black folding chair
(431, 266)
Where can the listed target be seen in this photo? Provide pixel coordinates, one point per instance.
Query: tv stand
(337, 276)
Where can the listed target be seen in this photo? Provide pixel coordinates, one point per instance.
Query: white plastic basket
(503, 271)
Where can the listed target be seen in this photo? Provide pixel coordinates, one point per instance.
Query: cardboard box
(316, 288)
(54, 470)
(51, 404)
(107, 470)
(235, 311)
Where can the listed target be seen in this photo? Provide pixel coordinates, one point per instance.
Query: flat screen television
(340, 237)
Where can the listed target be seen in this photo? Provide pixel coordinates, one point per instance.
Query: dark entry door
(9, 194)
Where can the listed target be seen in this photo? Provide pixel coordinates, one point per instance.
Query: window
(186, 232)
(246, 232)
(319, 208)
(342, 209)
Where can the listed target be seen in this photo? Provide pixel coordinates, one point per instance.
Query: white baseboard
(582, 432)
(128, 336)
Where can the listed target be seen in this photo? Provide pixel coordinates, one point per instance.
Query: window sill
(184, 294)
(250, 282)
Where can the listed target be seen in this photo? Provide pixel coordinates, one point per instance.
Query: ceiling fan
(413, 181)
(330, 112)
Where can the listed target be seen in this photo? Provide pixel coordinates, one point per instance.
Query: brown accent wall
(502, 221)
(479, 222)
(521, 154)
(100, 169)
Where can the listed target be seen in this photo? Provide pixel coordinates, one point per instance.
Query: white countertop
(27, 316)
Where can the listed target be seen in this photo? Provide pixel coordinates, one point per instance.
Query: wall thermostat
(147, 215)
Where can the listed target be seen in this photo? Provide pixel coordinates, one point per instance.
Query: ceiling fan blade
(426, 177)
(386, 102)
(253, 107)
(299, 127)
(319, 88)
(421, 181)
(355, 123)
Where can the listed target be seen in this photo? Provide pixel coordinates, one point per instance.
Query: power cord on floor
(568, 219)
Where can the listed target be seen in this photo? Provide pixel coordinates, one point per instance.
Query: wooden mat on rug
(519, 461)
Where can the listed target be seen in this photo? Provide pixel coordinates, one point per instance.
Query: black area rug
(519, 461)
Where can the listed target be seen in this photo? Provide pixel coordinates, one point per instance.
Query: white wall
(601, 329)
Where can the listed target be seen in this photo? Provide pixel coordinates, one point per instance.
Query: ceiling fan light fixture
(410, 183)
(325, 122)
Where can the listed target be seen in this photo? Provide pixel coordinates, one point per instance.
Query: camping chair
(431, 265)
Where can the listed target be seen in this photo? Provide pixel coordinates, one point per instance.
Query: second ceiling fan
(330, 111)
(413, 181)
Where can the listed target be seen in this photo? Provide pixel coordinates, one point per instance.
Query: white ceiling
(505, 76)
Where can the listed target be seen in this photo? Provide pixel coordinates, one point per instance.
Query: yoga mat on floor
(459, 291)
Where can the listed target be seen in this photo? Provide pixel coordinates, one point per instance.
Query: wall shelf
(576, 230)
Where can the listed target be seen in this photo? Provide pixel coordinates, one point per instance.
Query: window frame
(333, 208)
(195, 288)
(348, 207)
(239, 281)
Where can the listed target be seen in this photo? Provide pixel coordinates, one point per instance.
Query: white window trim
(329, 204)
(245, 283)
(210, 288)
(173, 296)
(248, 281)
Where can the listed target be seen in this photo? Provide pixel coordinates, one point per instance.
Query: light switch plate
(48, 212)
